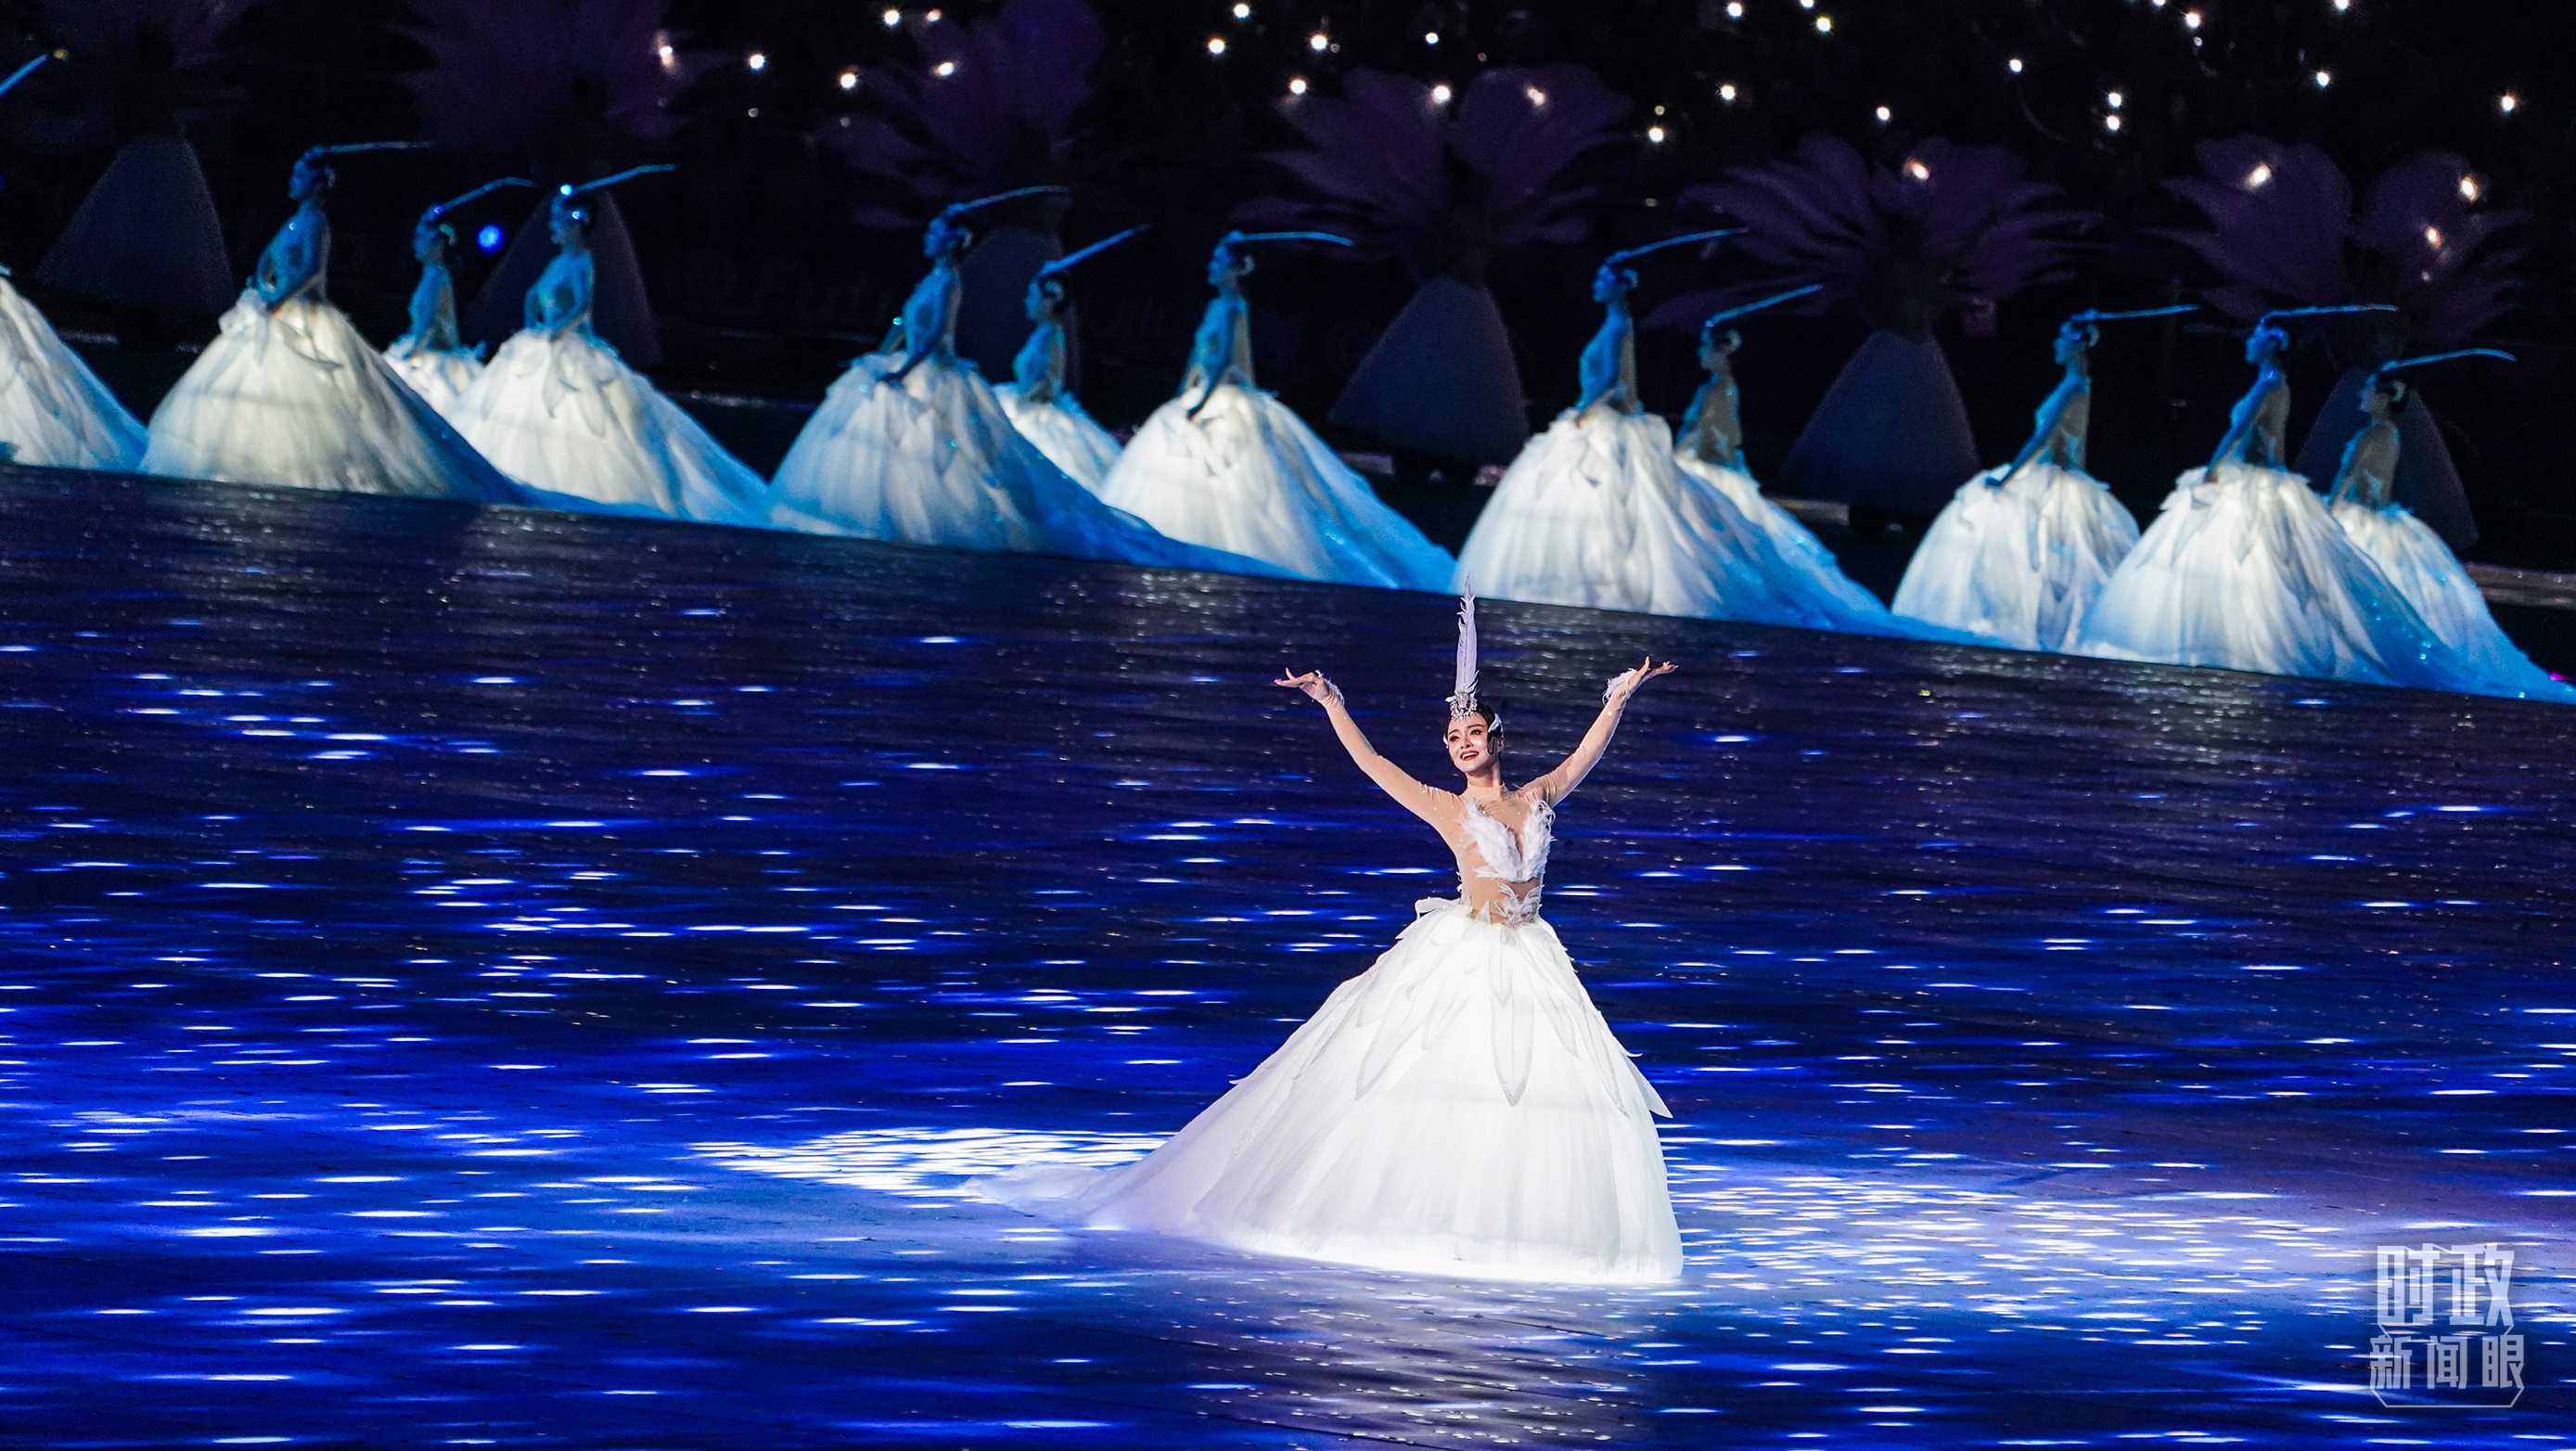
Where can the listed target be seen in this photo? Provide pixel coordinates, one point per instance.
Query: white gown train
(934, 460)
(2424, 570)
(2245, 570)
(439, 376)
(1248, 475)
(53, 410)
(1065, 433)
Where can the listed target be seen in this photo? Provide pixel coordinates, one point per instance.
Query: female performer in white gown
(1601, 511)
(53, 410)
(2021, 552)
(289, 393)
(1036, 400)
(1458, 1109)
(1229, 466)
(1710, 450)
(2245, 570)
(2408, 551)
(430, 356)
(560, 412)
(911, 445)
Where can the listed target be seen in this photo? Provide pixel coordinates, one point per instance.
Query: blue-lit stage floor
(502, 978)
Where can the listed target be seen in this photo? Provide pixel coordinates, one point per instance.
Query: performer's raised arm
(1556, 785)
(1390, 777)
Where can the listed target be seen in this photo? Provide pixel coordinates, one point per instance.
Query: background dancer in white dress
(53, 409)
(1710, 449)
(560, 411)
(2244, 569)
(1039, 404)
(2021, 552)
(289, 393)
(1460, 1108)
(1229, 466)
(911, 445)
(2408, 551)
(1599, 510)
(430, 355)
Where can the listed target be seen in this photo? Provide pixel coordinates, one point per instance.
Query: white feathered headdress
(1462, 698)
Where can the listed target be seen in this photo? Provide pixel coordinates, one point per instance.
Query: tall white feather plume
(1462, 700)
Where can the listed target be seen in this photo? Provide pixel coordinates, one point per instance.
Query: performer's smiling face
(1472, 744)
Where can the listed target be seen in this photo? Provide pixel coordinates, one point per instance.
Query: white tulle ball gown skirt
(1459, 1109)
(566, 417)
(933, 459)
(1598, 511)
(1803, 570)
(1248, 475)
(297, 397)
(440, 376)
(2245, 570)
(1065, 433)
(2019, 559)
(53, 410)
(2424, 570)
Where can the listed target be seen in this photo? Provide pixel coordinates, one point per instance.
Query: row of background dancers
(2246, 567)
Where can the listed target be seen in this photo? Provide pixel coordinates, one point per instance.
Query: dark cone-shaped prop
(1441, 379)
(1892, 432)
(146, 235)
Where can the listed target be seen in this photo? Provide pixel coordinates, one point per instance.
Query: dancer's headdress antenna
(2091, 315)
(1774, 300)
(577, 189)
(486, 189)
(22, 72)
(2423, 358)
(2266, 318)
(1062, 263)
(2384, 369)
(958, 209)
(1615, 258)
(314, 151)
(1462, 696)
(1232, 238)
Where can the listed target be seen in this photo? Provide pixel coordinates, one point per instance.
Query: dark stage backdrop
(789, 234)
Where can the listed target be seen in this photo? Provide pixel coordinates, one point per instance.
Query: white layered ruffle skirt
(53, 410)
(566, 417)
(440, 376)
(1247, 475)
(1064, 433)
(1459, 1109)
(933, 459)
(2424, 570)
(1600, 512)
(297, 397)
(2019, 560)
(2245, 570)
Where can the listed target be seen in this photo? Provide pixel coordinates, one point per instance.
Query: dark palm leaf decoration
(580, 88)
(137, 72)
(989, 107)
(1448, 190)
(1950, 230)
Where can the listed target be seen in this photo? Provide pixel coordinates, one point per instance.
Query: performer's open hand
(1317, 688)
(1625, 683)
